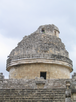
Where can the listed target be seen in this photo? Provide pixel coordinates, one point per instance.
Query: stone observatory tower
(41, 54)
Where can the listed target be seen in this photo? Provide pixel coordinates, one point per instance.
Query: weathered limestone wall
(33, 83)
(35, 90)
(32, 95)
(31, 71)
(49, 29)
(74, 97)
(41, 47)
(22, 90)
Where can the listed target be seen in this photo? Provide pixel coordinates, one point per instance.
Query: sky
(22, 17)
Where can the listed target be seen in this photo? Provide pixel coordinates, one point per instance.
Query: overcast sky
(22, 17)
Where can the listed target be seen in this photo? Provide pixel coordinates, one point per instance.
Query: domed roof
(42, 44)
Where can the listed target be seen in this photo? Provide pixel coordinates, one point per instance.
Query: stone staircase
(32, 95)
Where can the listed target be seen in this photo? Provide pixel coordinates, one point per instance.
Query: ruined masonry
(41, 54)
(39, 70)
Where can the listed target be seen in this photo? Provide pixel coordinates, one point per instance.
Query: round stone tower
(41, 54)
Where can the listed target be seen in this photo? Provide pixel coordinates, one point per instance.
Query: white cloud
(22, 17)
(6, 45)
(73, 56)
(73, 52)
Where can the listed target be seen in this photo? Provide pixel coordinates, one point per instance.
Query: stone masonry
(34, 90)
(39, 70)
(37, 90)
(40, 52)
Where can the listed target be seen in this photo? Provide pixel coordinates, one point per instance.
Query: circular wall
(31, 71)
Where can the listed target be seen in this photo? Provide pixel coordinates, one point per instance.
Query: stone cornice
(30, 61)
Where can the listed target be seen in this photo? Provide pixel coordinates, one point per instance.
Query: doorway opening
(43, 74)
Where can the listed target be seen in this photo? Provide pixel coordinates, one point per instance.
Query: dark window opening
(43, 30)
(55, 32)
(43, 74)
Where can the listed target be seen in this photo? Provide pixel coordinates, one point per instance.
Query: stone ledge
(40, 56)
(31, 84)
(28, 61)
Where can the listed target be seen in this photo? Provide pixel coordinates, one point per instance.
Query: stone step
(32, 95)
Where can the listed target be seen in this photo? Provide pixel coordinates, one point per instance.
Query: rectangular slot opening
(43, 74)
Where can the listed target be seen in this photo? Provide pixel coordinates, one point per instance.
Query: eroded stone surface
(42, 46)
(30, 71)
